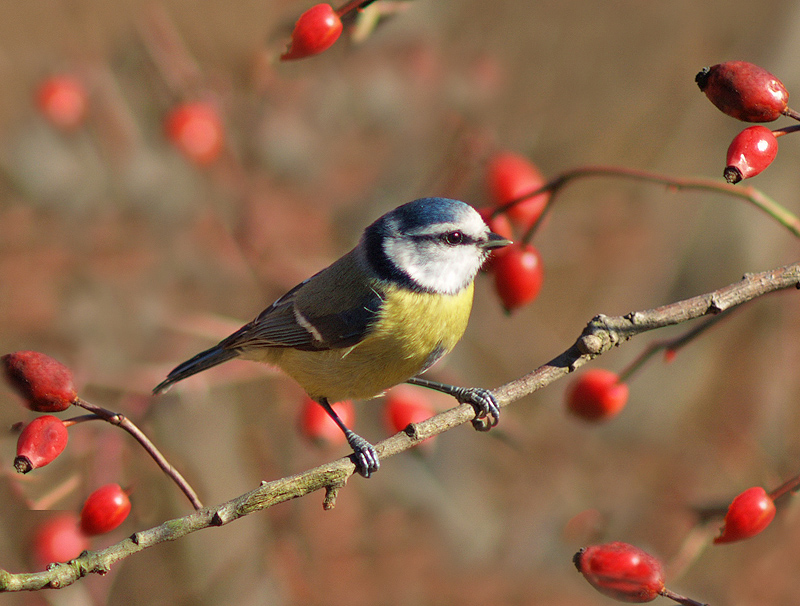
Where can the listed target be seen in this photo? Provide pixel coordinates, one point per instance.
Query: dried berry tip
(702, 78)
(23, 464)
(576, 559)
(732, 175)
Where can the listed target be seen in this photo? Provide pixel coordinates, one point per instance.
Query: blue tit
(381, 315)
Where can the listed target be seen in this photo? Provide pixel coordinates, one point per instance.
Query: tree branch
(601, 334)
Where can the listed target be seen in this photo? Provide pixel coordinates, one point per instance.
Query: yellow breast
(412, 330)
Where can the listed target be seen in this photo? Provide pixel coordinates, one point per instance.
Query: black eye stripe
(451, 238)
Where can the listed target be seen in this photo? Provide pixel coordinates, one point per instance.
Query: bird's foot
(365, 456)
(487, 411)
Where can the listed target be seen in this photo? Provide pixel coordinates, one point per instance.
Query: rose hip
(748, 514)
(744, 91)
(510, 176)
(315, 31)
(40, 442)
(58, 539)
(518, 275)
(597, 395)
(45, 384)
(750, 152)
(105, 509)
(317, 425)
(62, 99)
(405, 405)
(621, 571)
(196, 130)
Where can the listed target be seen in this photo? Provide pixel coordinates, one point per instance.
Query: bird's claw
(365, 456)
(487, 411)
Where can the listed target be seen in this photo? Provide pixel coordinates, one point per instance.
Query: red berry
(405, 405)
(502, 227)
(518, 275)
(748, 514)
(317, 425)
(63, 100)
(621, 571)
(58, 539)
(510, 176)
(597, 395)
(196, 130)
(45, 383)
(315, 31)
(750, 152)
(744, 91)
(105, 509)
(40, 442)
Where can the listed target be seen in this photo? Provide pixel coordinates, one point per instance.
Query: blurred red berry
(317, 426)
(748, 514)
(518, 275)
(63, 100)
(315, 31)
(58, 539)
(40, 442)
(744, 91)
(670, 355)
(621, 571)
(196, 130)
(405, 405)
(750, 152)
(502, 227)
(597, 395)
(105, 509)
(45, 383)
(510, 176)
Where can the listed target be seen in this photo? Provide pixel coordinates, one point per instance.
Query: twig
(750, 194)
(601, 333)
(671, 345)
(123, 422)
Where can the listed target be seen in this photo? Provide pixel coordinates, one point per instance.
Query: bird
(380, 315)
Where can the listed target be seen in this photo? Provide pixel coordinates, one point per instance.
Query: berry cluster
(65, 535)
(517, 269)
(46, 385)
(748, 93)
(628, 574)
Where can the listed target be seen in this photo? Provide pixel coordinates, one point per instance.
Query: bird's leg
(366, 458)
(487, 411)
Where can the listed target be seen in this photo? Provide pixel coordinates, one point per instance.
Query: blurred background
(121, 257)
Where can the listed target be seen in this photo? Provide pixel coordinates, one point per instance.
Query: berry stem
(681, 599)
(81, 419)
(351, 6)
(788, 486)
(749, 194)
(789, 112)
(779, 132)
(122, 421)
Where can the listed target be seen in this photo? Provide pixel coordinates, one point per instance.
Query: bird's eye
(453, 238)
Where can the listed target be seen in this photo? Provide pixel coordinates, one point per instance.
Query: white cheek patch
(436, 266)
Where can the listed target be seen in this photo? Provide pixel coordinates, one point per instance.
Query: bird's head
(431, 244)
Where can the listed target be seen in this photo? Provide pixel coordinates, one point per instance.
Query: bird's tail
(202, 361)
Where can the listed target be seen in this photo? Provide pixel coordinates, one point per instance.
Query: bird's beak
(495, 241)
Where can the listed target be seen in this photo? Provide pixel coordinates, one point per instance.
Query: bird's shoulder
(333, 308)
